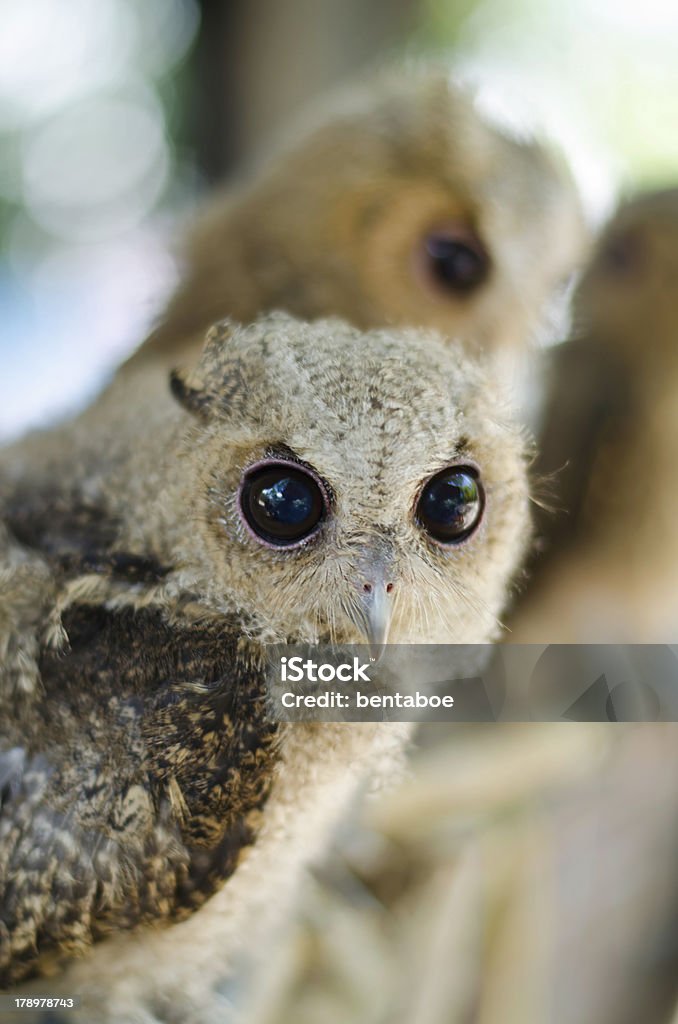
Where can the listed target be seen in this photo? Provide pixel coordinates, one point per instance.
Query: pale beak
(376, 605)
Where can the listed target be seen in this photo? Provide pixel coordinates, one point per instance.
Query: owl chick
(310, 483)
(403, 206)
(610, 445)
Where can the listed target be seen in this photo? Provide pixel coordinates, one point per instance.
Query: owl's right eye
(282, 503)
(455, 260)
(451, 504)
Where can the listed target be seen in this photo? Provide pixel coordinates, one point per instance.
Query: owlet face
(629, 294)
(430, 216)
(350, 486)
(402, 207)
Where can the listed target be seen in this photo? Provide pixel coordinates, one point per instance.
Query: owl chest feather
(137, 782)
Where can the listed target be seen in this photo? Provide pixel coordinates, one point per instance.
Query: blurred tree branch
(258, 60)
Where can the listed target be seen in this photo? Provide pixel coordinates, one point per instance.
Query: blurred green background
(116, 116)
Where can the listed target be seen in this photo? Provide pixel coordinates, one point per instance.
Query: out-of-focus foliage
(609, 69)
(91, 158)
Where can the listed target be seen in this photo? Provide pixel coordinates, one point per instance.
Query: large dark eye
(455, 260)
(282, 503)
(451, 504)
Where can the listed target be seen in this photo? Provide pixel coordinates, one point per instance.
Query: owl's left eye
(282, 503)
(455, 260)
(451, 504)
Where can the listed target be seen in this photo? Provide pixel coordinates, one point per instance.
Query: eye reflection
(282, 503)
(451, 504)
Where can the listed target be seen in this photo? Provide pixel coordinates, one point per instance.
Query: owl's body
(610, 445)
(399, 205)
(144, 780)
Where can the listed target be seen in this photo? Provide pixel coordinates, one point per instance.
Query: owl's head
(348, 486)
(628, 297)
(400, 205)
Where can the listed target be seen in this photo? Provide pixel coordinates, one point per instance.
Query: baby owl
(310, 482)
(610, 444)
(399, 204)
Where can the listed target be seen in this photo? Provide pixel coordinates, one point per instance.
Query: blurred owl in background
(399, 204)
(609, 445)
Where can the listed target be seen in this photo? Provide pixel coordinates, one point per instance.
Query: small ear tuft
(218, 337)
(194, 400)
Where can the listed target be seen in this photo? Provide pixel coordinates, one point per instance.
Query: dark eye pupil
(451, 504)
(282, 504)
(456, 264)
